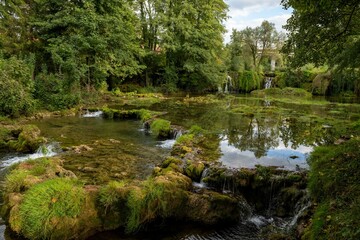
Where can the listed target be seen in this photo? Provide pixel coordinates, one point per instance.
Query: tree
(324, 32)
(259, 41)
(192, 40)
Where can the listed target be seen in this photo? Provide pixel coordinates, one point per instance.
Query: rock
(212, 208)
(81, 148)
(321, 83)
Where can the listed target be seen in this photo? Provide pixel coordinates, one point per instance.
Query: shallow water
(249, 131)
(105, 149)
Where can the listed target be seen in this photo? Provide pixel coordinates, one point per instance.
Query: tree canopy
(324, 32)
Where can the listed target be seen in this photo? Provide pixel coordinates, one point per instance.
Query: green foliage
(248, 81)
(347, 80)
(54, 92)
(160, 127)
(323, 32)
(16, 86)
(333, 183)
(145, 204)
(48, 209)
(144, 115)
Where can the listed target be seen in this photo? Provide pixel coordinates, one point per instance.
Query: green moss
(28, 140)
(15, 182)
(171, 160)
(185, 139)
(285, 92)
(50, 208)
(110, 194)
(194, 170)
(161, 127)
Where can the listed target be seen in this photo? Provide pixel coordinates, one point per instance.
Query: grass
(15, 182)
(48, 209)
(334, 184)
(23, 175)
(109, 195)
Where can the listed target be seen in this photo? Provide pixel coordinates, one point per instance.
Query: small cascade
(48, 150)
(268, 82)
(300, 209)
(202, 184)
(89, 114)
(169, 143)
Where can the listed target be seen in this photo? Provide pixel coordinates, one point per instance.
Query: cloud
(241, 4)
(251, 13)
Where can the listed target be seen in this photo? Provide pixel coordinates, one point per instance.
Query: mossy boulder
(161, 128)
(321, 83)
(27, 139)
(194, 170)
(212, 208)
(54, 209)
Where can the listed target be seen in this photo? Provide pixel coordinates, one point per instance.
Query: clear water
(249, 131)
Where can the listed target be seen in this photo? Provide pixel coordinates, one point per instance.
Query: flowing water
(248, 131)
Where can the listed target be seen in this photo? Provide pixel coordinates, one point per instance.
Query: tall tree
(193, 40)
(324, 32)
(16, 34)
(259, 41)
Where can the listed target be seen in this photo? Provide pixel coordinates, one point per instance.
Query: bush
(248, 81)
(53, 93)
(16, 87)
(49, 209)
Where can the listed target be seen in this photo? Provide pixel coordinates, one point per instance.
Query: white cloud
(241, 4)
(251, 13)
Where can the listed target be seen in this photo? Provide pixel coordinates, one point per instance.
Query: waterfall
(89, 114)
(268, 82)
(302, 205)
(169, 143)
(48, 150)
(202, 184)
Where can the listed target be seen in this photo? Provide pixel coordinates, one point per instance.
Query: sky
(251, 13)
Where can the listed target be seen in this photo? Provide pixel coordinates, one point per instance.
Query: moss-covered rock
(194, 170)
(212, 208)
(42, 201)
(285, 92)
(161, 128)
(27, 139)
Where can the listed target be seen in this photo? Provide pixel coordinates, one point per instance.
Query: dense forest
(56, 53)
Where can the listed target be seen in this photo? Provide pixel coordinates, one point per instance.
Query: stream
(249, 132)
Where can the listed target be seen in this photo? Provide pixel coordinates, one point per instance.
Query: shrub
(50, 208)
(16, 87)
(53, 92)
